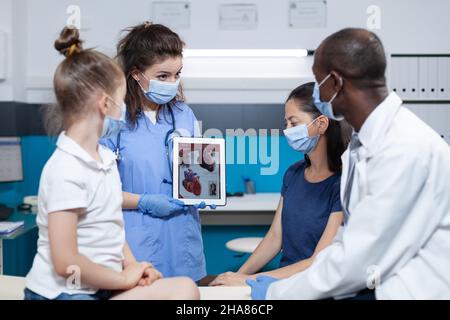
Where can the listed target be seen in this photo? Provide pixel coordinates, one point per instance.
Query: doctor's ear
(338, 80)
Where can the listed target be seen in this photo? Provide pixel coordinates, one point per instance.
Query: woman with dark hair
(159, 229)
(309, 213)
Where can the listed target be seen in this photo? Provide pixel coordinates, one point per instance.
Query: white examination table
(11, 288)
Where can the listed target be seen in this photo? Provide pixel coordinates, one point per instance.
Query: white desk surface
(250, 202)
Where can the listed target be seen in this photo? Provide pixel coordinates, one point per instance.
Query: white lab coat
(399, 221)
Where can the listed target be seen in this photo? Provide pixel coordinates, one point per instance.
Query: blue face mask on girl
(111, 126)
(298, 138)
(160, 92)
(325, 108)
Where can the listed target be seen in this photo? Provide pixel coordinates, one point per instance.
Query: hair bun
(69, 42)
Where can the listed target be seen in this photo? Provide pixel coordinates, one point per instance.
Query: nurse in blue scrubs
(309, 213)
(159, 229)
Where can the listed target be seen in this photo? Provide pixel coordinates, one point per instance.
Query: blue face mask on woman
(298, 138)
(112, 126)
(160, 92)
(325, 108)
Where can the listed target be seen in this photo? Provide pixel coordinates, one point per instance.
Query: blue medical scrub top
(174, 244)
(306, 209)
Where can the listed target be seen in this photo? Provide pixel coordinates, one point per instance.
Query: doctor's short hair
(78, 78)
(356, 54)
(338, 133)
(143, 46)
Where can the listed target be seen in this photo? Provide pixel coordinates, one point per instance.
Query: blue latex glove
(202, 205)
(160, 205)
(260, 286)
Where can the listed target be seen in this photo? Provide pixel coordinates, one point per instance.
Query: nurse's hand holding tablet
(160, 205)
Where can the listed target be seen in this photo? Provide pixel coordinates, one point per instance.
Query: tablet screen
(199, 171)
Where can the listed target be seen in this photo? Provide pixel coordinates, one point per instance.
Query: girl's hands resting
(133, 273)
(150, 275)
(231, 279)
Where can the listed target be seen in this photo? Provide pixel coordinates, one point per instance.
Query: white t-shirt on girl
(73, 179)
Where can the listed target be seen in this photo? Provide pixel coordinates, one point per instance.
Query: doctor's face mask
(326, 108)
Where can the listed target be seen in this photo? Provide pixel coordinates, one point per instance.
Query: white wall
(6, 87)
(407, 26)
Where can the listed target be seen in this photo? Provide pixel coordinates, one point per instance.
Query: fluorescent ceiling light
(240, 53)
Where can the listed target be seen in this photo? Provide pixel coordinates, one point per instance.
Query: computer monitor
(11, 168)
